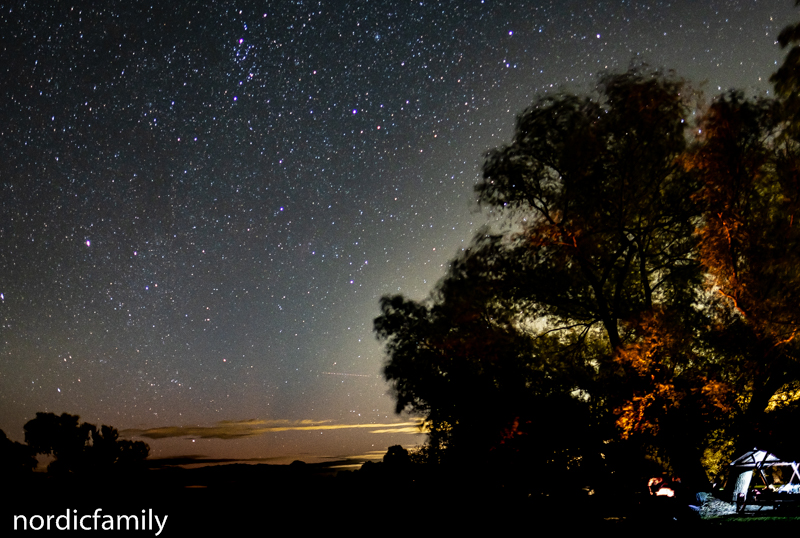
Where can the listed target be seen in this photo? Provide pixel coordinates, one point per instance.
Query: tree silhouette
(638, 282)
(62, 436)
(581, 301)
(601, 199)
(81, 447)
(15, 458)
(396, 456)
(602, 225)
(787, 78)
(750, 245)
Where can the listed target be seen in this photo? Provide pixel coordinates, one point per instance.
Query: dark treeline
(633, 303)
(393, 495)
(76, 447)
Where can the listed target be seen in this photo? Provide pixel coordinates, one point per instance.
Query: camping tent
(761, 474)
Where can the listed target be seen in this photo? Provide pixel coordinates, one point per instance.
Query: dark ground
(272, 500)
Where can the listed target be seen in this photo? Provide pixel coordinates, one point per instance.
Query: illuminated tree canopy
(638, 283)
(749, 244)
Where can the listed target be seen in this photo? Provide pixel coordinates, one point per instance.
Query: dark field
(267, 500)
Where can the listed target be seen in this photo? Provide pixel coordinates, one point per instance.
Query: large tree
(578, 309)
(749, 163)
(642, 272)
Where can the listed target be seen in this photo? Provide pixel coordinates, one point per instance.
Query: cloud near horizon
(230, 429)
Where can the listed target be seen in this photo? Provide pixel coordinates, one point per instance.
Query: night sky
(201, 204)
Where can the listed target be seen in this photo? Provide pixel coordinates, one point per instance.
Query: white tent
(759, 468)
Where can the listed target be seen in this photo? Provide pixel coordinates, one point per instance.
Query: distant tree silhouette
(15, 458)
(60, 436)
(131, 453)
(81, 447)
(105, 449)
(396, 456)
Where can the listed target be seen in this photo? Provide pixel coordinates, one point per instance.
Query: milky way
(202, 205)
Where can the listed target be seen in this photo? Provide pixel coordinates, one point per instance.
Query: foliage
(787, 78)
(673, 384)
(637, 287)
(603, 201)
(545, 311)
(396, 456)
(81, 447)
(750, 244)
(15, 458)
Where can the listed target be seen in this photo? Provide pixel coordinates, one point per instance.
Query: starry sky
(201, 203)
